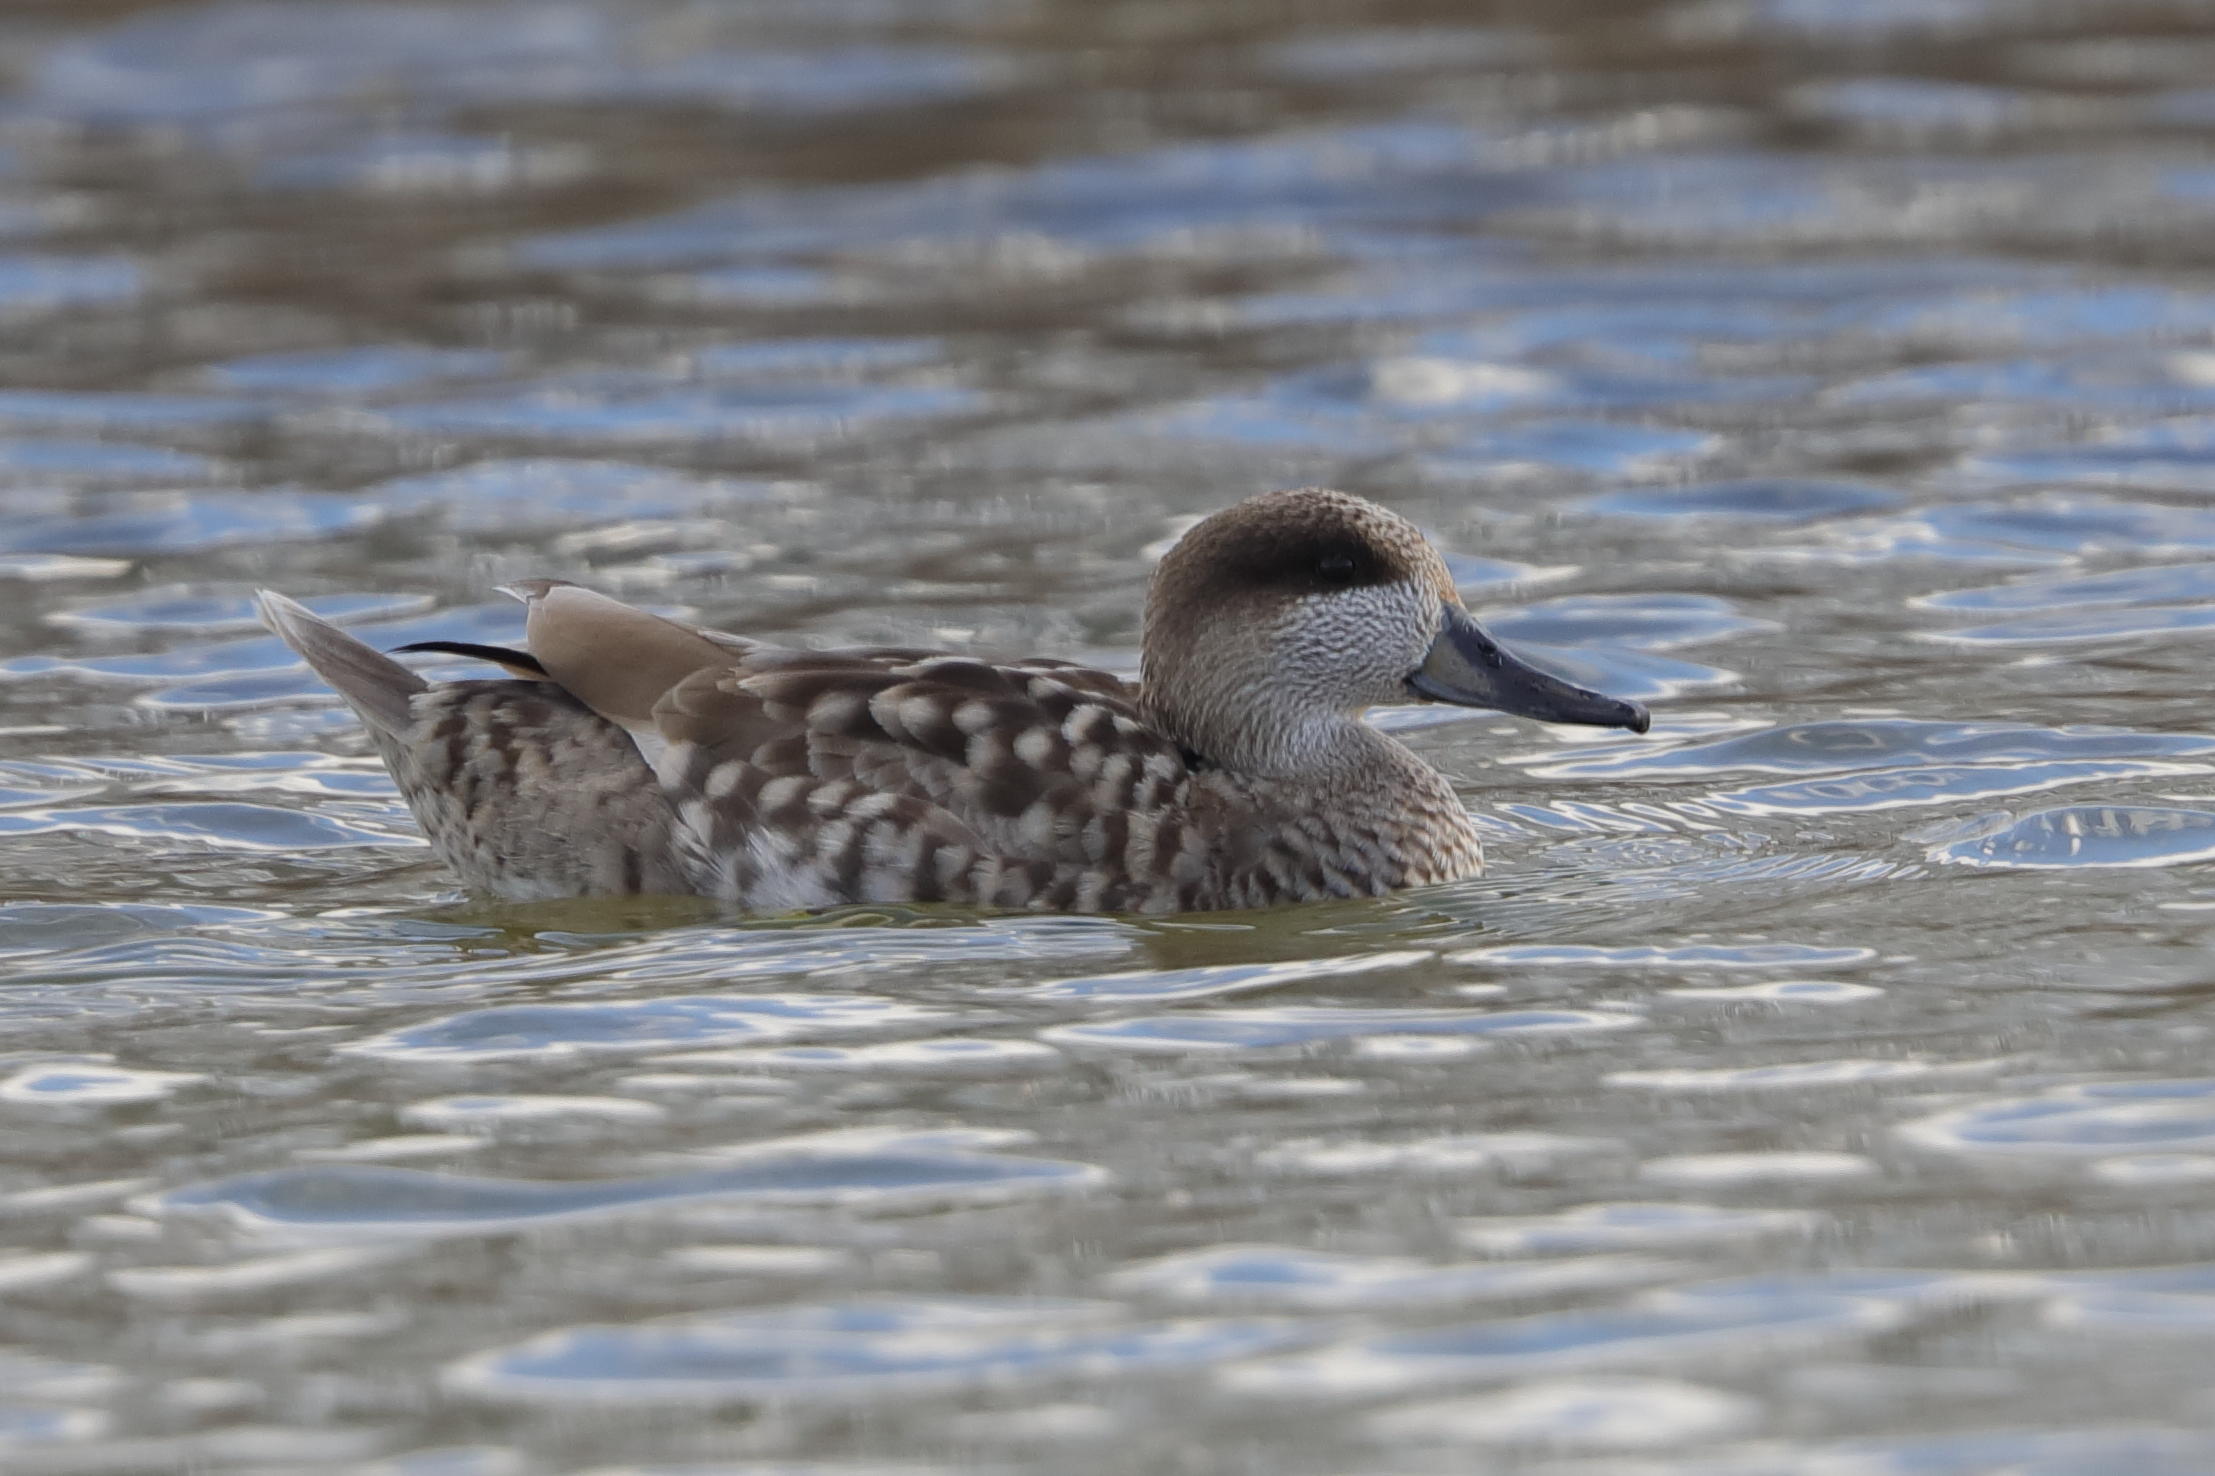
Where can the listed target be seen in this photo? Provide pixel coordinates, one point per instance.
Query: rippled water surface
(1820, 1086)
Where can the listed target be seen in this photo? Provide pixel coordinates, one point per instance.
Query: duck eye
(1337, 568)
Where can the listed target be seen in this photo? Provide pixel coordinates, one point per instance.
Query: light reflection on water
(1817, 1084)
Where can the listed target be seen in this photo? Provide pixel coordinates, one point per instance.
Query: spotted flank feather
(631, 753)
(804, 780)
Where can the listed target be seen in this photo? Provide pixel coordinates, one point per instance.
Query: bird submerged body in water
(633, 754)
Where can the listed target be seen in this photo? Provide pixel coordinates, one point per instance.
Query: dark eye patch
(1331, 562)
(1307, 560)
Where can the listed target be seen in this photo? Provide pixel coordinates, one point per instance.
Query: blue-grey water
(1821, 1086)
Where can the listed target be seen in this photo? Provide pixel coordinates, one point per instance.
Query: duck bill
(1470, 669)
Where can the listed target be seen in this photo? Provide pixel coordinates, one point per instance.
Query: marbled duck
(636, 754)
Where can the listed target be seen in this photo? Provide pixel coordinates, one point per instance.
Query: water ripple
(541, 494)
(1286, 1278)
(351, 1201)
(1780, 991)
(1850, 745)
(1218, 979)
(1778, 501)
(514, 1032)
(53, 927)
(97, 463)
(207, 65)
(1710, 1171)
(365, 370)
(73, 1084)
(1597, 1413)
(1312, 1025)
(1714, 1323)
(854, 1350)
(1632, 1227)
(1593, 447)
(225, 826)
(1892, 789)
(2096, 625)
(491, 624)
(1793, 1077)
(216, 607)
(2089, 1119)
(2156, 585)
(2176, 454)
(2140, 1451)
(1650, 956)
(621, 414)
(541, 1117)
(945, 1055)
(1447, 1156)
(1642, 622)
(145, 523)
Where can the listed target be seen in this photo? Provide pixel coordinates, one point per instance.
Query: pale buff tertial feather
(641, 754)
(507, 778)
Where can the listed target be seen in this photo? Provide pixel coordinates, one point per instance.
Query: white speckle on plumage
(834, 799)
(872, 806)
(917, 713)
(1040, 823)
(780, 883)
(1088, 729)
(1095, 840)
(778, 793)
(946, 869)
(837, 711)
(1085, 762)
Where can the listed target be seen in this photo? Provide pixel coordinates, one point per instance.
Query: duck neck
(1324, 748)
(1360, 812)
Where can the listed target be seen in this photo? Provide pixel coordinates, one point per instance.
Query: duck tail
(373, 684)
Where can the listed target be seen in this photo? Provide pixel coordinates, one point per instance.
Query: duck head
(1274, 623)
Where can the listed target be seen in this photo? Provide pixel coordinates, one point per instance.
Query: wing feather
(872, 774)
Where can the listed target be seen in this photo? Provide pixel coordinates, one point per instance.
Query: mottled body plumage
(803, 780)
(654, 757)
(528, 794)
